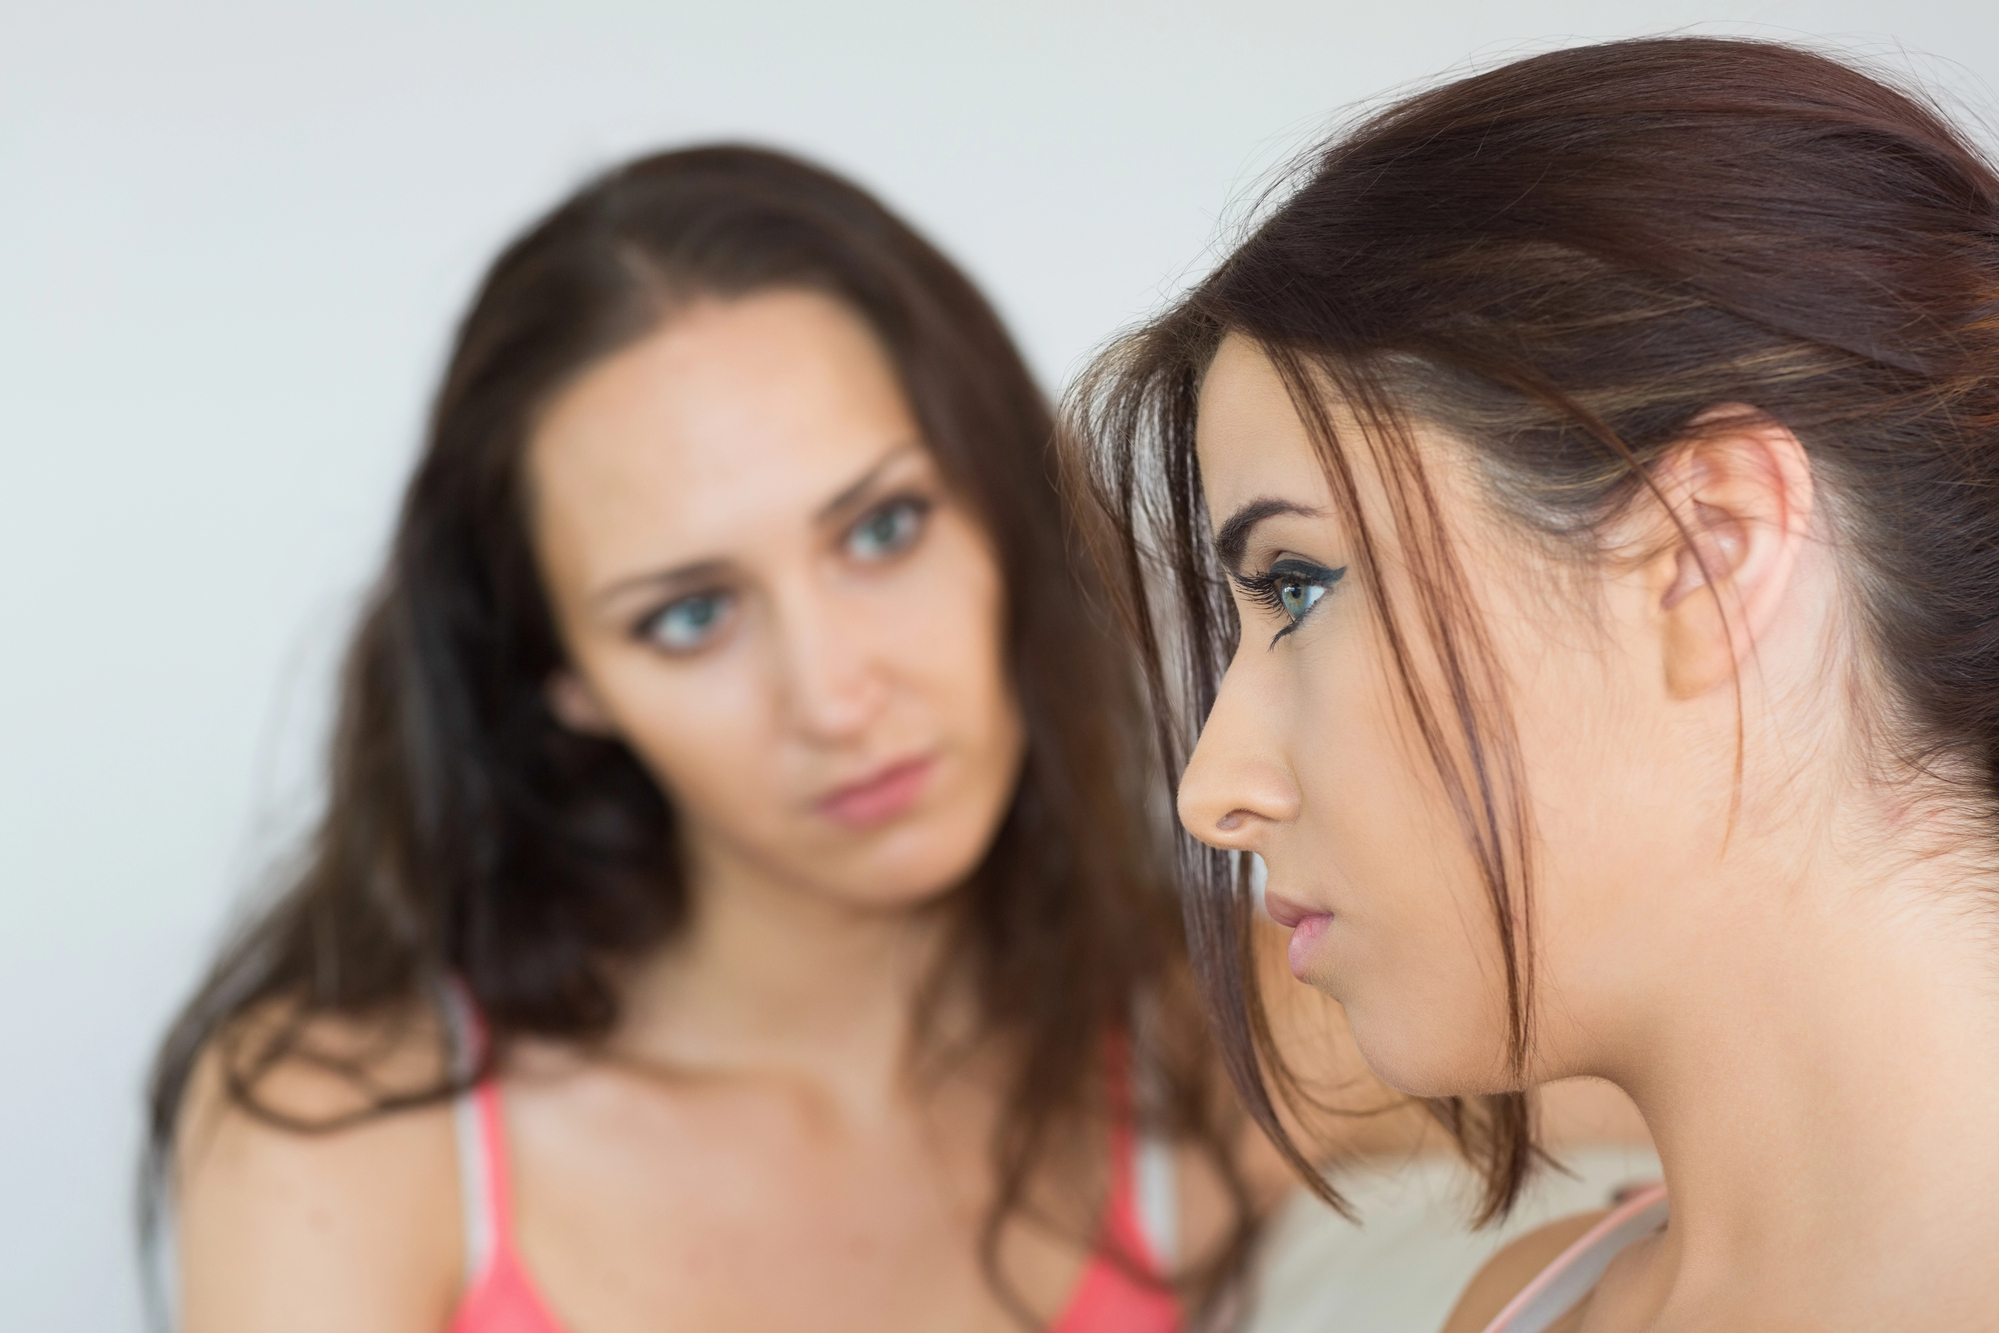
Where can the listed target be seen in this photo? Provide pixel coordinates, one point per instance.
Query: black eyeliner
(1261, 588)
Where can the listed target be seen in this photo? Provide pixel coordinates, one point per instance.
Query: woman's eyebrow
(697, 571)
(852, 494)
(1232, 538)
(703, 570)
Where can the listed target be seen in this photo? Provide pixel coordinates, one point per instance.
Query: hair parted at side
(1564, 262)
(468, 834)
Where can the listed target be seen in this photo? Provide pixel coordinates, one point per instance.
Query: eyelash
(1262, 588)
(648, 626)
(918, 506)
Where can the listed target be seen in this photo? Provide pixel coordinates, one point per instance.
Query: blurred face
(765, 589)
(1312, 759)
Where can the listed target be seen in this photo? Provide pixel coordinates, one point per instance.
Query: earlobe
(1699, 648)
(1741, 490)
(576, 705)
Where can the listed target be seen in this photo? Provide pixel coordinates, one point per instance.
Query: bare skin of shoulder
(276, 1228)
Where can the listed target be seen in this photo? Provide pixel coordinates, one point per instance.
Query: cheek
(705, 732)
(1625, 824)
(1370, 796)
(945, 627)
(1412, 953)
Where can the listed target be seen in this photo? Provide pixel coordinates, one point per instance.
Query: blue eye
(683, 625)
(1290, 588)
(1297, 596)
(887, 531)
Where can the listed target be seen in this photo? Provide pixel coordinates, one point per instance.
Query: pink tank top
(1563, 1284)
(501, 1297)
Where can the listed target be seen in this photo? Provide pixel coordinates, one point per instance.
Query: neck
(771, 977)
(1824, 1110)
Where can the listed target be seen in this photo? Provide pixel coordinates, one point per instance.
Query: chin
(909, 871)
(1425, 1059)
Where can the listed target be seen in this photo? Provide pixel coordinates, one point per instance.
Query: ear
(1740, 488)
(576, 705)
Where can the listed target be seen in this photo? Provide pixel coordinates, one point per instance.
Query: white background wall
(232, 240)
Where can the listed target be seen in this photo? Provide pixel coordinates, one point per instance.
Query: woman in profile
(738, 902)
(1574, 516)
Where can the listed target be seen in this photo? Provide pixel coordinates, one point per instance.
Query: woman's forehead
(733, 417)
(1248, 435)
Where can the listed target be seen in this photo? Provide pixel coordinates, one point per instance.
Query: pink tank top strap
(1113, 1295)
(1120, 1290)
(1563, 1284)
(499, 1296)
(491, 1192)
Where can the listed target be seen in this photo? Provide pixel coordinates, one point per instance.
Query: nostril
(1232, 821)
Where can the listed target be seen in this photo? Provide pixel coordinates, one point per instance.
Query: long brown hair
(1564, 263)
(469, 834)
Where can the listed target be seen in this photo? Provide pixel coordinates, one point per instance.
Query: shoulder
(304, 1208)
(1507, 1272)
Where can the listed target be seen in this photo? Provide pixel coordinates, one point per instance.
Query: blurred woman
(738, 903)
(1577, 520)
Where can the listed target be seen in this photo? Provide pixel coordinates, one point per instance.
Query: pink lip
(1307, 925)
(880, 796)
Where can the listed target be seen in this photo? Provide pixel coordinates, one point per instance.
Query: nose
(833, 675)
(1238, 785)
